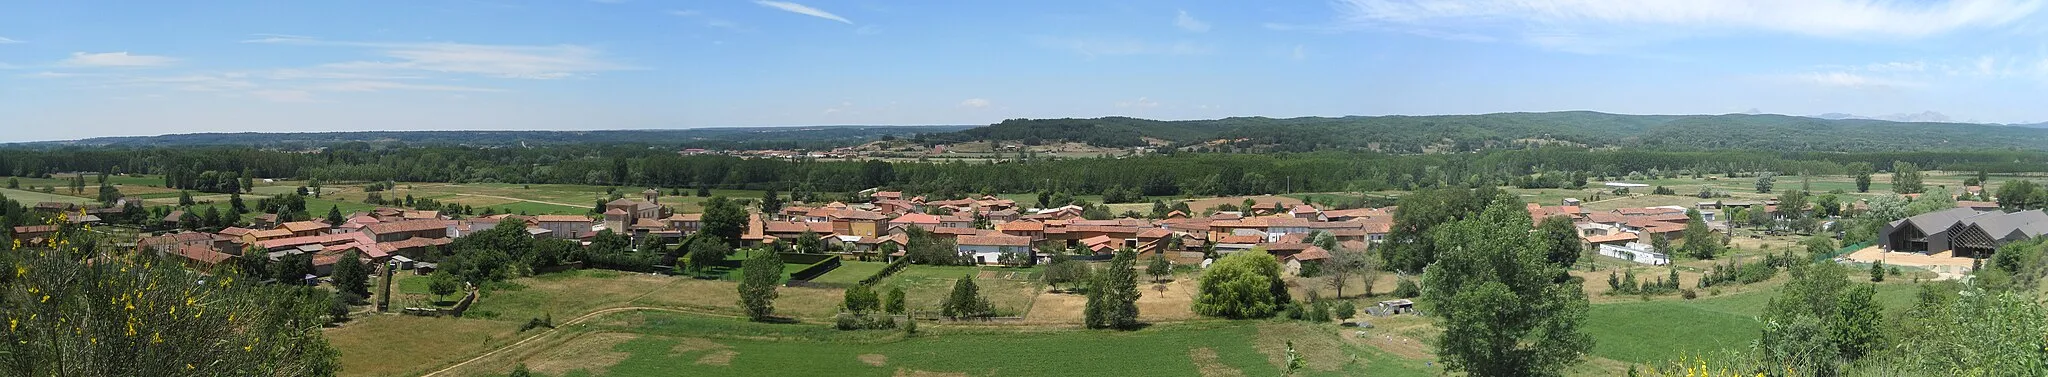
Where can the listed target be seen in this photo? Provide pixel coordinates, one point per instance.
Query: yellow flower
(12, 323)
(156, 338)
(46, 298)
(189, 367)
(20, 271)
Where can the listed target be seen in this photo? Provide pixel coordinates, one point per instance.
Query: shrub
(851, 321)
(1407, 289)
(1688, 294)
(1295, 312)
(1345, 310)
(1318, 312)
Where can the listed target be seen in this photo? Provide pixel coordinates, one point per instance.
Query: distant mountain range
(1925, 116)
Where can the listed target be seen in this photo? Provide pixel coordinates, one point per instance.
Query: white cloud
(708, 20)
(195, 82)
(6, 40)
(52, 75)
(803, 10)
(505, 61)
(1141, 103)
(1854, 81)
(115, 59)
(283, 95)
(1114, 46)
(374, 86)
(975, 103)
(1551, 23)
(1189, 23)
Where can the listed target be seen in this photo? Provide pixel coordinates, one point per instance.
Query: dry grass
(1173, 304)
(1322, 351)
(1391, 335)
(905, 372)
(396, 345)
(718, 358)
(723, 296)
(874, 359)
(1206, 363)
(594, 353)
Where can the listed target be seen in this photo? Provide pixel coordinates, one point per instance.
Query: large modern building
(1966, 231)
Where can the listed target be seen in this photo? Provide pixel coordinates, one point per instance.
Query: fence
(812, 272)
(1842, 251)
(891, 269)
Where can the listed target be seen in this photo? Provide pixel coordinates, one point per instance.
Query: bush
(1294, 311)
(1688, 294)
(1407, 289)
(851, 321)
(1344, 310)
(1318, 312)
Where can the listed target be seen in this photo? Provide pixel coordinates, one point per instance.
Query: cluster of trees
(1505, 308)
(1183, 173)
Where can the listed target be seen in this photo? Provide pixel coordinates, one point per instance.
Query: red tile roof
(561, 218)
(406, 226)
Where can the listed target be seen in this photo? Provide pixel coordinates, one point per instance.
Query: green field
(850, 272)
(30, 198)
(925, 287)
(1655, 331)
(665, 344)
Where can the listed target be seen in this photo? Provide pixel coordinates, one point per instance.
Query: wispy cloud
(975, 103)
(803, 10)
(297, 96)
(1189, 23)
(1562, 23)
(504, 61)
(115, 59)
(1117, 46)
(708, 20)
(375, 86)
(1140, 103)
(1854, 81)
(6, 40)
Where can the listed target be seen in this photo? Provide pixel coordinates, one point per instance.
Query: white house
(1636, 252)
(990, 249)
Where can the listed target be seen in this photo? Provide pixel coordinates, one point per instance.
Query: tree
(1857, 328)
(965, 301)
(293, 268)
(769, 202)
(893, 302)
(724, 219)
(185, 199)
(1763, 183)
(758, 276)
(1861, 170)
(1345, 310)
(860, 299)
(924, 247)
(1346, 264)
(1409, 247)
(706, 252)
(351, 275)
(1241, 285)
(442, 284)
(520, 371)
(1062, 270)
(1159, 267)
(2020, 194)
(1700, 242)
(1561, 241)
(1502, 311)
(1877, 272)
(1113, 301)
(1906, 178)
(334, 216)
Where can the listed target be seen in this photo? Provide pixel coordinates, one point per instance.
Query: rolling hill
(738, 137)
(1454, 133)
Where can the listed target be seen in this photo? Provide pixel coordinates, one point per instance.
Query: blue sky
(76, 69)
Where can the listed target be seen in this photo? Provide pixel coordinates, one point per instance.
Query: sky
(78, 69)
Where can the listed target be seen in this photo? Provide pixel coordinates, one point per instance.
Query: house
(989, 249)
(176, 216)
(1307, 212)
(621, 214)
(1310, 255)
(1966, 231)
(1026, 228)
(565, 226)
(924, 221)
(686, 223)
(34, 235)
(304, 228)
(401, 230)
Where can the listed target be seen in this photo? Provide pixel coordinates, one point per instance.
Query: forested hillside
(720, 138)
(1460, 133)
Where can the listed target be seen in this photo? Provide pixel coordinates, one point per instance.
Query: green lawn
(925, 287)
(30, 198)
(850, 272)
(1662, 330)
(532, 208)
(666, 344)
